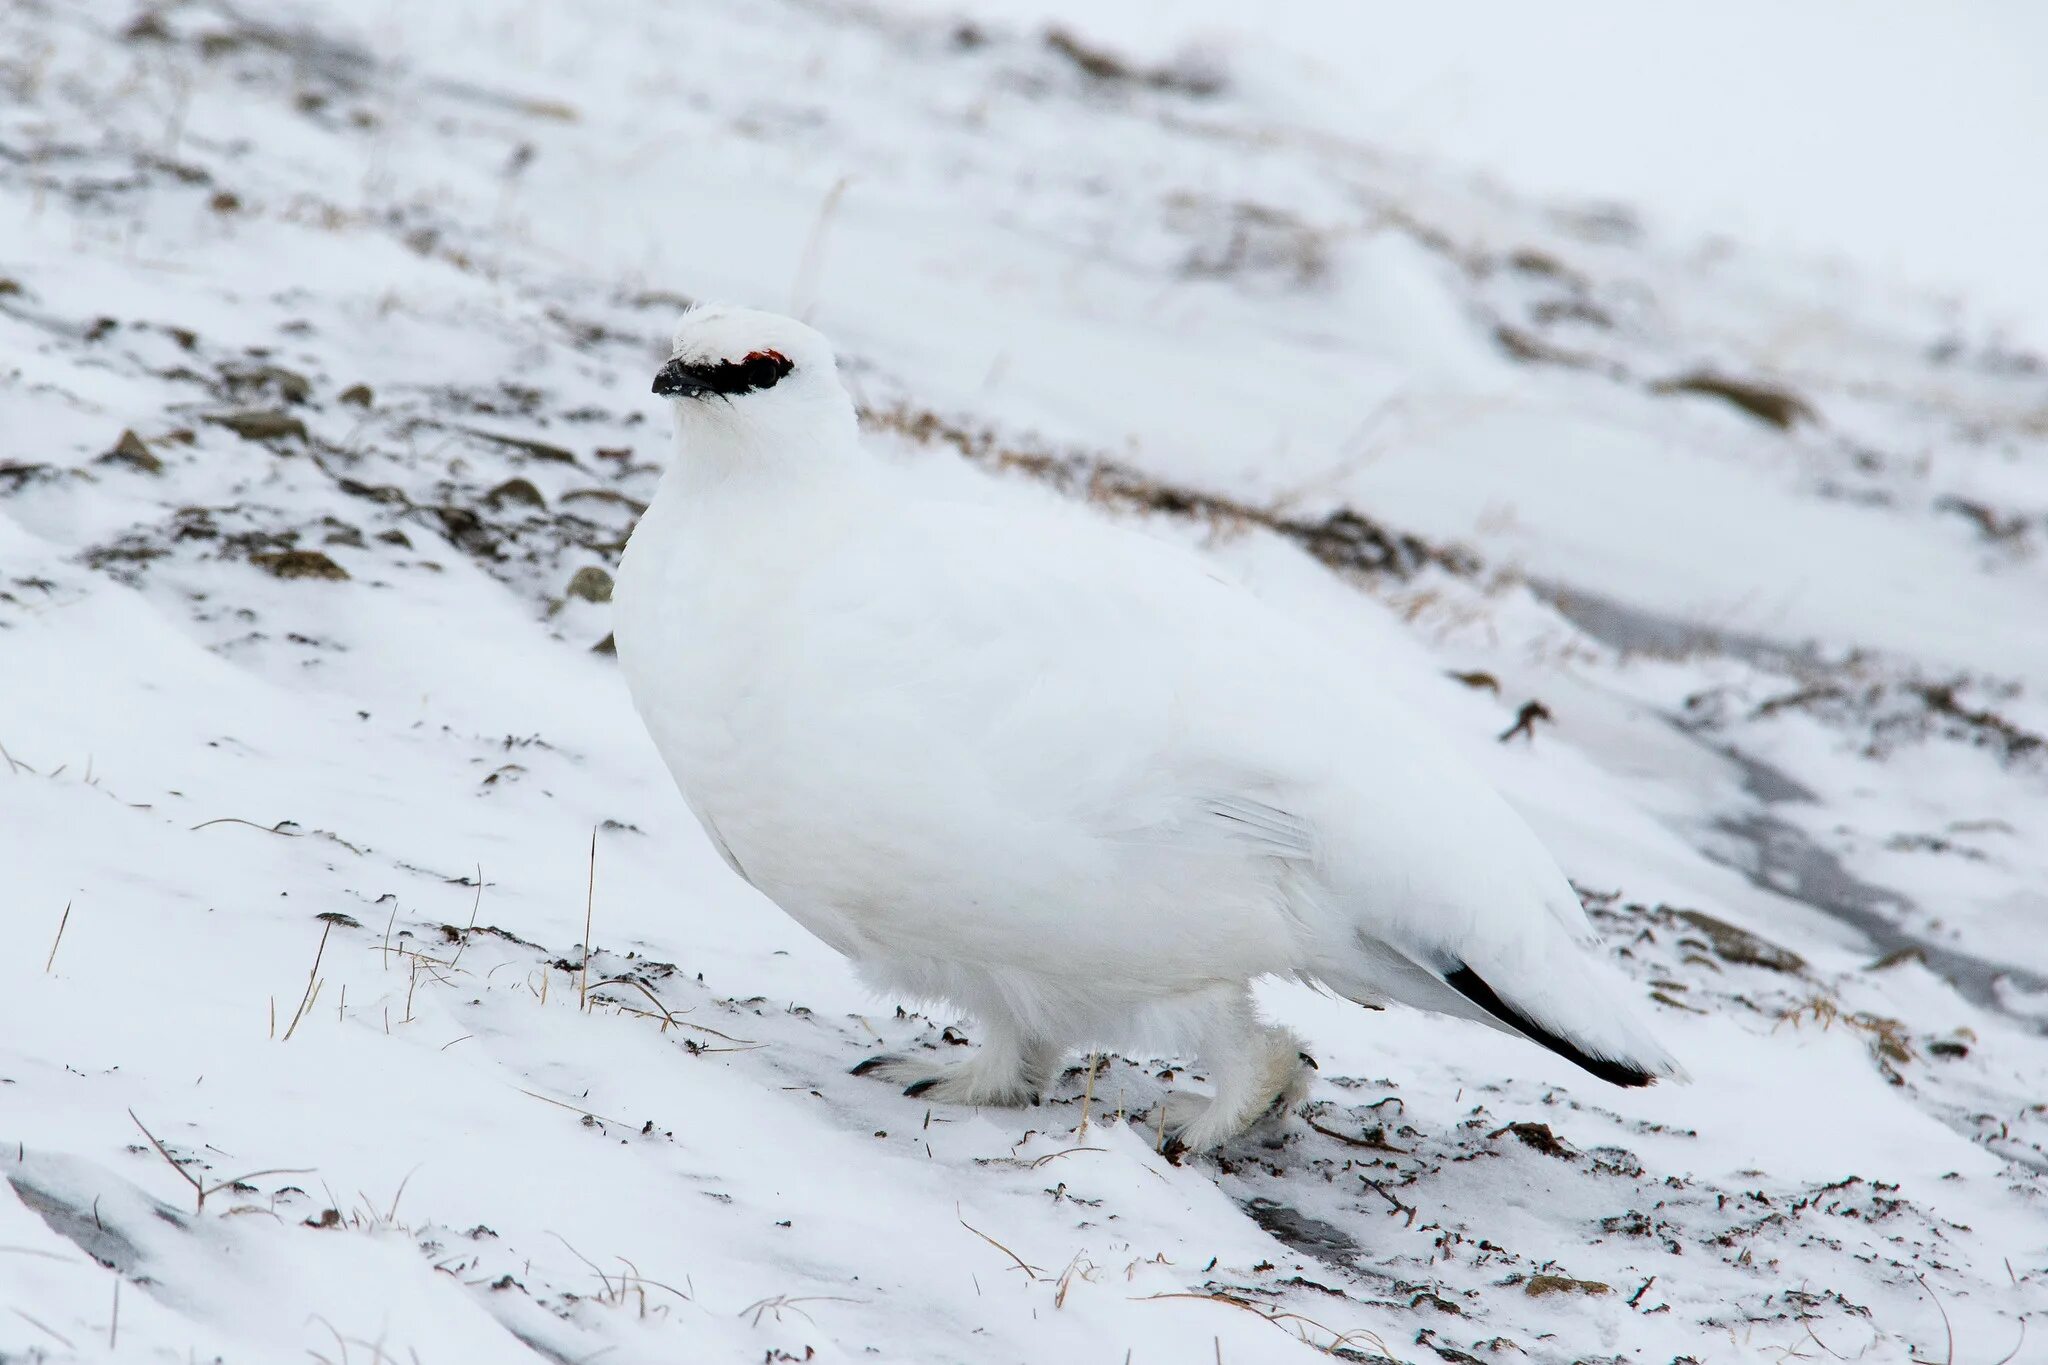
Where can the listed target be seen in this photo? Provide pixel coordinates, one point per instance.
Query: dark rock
(1539, 1136)
(591, 583)
(1538, 1286)
(1734, 944)
(515, 490)
(299, 564)
(267, 425)
(130, 450)
(1780, 407)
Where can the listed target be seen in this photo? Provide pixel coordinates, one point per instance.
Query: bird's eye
(762, 369)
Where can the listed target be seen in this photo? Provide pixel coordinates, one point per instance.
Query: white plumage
(1054, 771)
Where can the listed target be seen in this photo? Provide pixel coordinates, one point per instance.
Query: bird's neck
(717, 454)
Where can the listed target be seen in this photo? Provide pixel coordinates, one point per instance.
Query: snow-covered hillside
(326, 329)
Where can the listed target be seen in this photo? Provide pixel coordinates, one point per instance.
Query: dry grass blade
(306, 1001)
(1279, 1318)
(804, 289)
(1946, 1325)
(1021, 1164)
(38, 1251)
(40, 1327)
(589, 910)
(779, 1302)
(199, 1189)
(278, 829)
(1350, 1141)
(163, 1152)
(667, 1016)
(52, 958)
(474, 906)
(577, 1109)
(1031, 1271)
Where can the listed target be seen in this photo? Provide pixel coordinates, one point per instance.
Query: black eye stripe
(760, 370)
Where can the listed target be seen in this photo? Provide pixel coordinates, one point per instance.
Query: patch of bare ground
(1344, 539)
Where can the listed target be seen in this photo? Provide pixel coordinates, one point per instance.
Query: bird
(1010, 755)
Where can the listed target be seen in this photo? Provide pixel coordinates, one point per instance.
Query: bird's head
(744, 381)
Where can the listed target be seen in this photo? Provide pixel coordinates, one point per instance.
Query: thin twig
(1399, 1207)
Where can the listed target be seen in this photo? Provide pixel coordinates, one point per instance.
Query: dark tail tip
(1469, 984)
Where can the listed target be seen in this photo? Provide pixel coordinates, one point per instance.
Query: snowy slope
(315, 785)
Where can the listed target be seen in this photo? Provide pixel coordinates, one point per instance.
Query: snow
(1794, 673)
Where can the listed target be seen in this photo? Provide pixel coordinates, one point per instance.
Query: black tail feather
(1469, 984)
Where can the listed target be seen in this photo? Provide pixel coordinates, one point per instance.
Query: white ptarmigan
(1054, 771)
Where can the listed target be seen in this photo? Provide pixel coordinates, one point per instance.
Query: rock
(611, 496)
(340, 532)
(1780, 407)
(290, 385)
(466, 530)
(540, 450)
(592, 584)
(608, 645)
(260, 425)
(147, 27)
(1734, 944)
(299, 564)
(516, 490)
(1539, 1136)
(18, 474)
(357, 396)
(225, 201)
(130, 450)
(1538, 1286)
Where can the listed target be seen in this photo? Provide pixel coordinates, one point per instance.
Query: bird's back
(1022, 734)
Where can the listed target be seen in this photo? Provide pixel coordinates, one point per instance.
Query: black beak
(676, 381)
